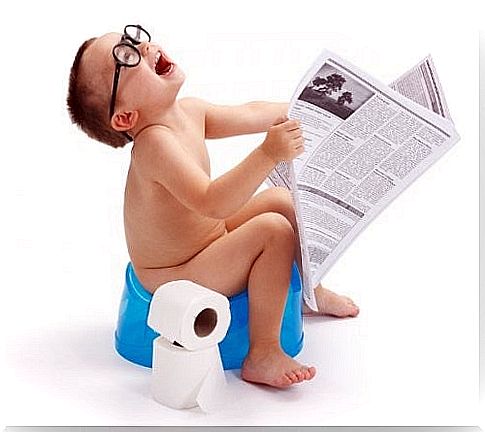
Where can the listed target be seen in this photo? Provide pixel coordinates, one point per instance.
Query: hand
(284, 140)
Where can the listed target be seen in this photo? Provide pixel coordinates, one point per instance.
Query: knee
(282, 202)
(276, 227)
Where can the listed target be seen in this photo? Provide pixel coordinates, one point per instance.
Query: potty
(134, 339)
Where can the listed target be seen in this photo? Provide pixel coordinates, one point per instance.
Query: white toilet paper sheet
(185, 379)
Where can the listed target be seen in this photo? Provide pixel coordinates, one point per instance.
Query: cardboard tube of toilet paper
(185, 379)
(189, 314)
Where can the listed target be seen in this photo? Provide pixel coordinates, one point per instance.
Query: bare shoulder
(195, 105)
(152, 148)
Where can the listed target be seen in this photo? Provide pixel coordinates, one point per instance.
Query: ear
(123, 121)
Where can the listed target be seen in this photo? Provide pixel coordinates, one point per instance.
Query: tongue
(163, 66)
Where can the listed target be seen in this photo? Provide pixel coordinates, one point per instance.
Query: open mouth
(163, 66)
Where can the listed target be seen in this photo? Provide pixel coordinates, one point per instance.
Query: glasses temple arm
(114, 91)
(113, 98)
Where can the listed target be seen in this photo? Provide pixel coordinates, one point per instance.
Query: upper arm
(167, 163)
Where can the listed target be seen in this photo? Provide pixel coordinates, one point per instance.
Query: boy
(178, 223)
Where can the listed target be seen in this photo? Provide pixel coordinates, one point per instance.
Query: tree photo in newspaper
(364, 144)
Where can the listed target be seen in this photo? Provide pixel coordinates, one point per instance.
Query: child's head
(126, 74)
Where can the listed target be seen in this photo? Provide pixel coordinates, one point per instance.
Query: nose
(144, 48)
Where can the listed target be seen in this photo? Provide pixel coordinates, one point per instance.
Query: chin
(179, 78)
(179, 74)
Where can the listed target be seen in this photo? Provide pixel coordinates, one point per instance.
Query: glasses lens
(126, 54)
(137, 33)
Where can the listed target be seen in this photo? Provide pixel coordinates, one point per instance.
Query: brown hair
(88, 108)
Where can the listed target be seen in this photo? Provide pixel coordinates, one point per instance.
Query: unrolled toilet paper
(185, 379)
(191, 373)
(189, 314)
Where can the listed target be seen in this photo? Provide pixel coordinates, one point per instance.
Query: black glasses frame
(126, 41)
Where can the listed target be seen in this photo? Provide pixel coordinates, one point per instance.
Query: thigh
(224, 266)
(274, 199)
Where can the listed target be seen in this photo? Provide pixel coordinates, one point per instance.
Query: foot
(274, 368)
(330, 303)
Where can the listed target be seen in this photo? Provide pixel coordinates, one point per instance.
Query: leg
(279, 200)
(258, 254)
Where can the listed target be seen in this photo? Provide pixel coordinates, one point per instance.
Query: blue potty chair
(134, 339)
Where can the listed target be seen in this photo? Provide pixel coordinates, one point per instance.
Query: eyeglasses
(126, 54)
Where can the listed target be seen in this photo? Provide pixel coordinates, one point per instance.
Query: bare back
(160, 231)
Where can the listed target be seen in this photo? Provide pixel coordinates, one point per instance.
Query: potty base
(134, 339)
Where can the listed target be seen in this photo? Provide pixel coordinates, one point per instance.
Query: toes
(354, 311)
(349, 301)
(284, 381)
(299, 374)
(305, 372)
(308, 372)
(349, 308)
(282, 372)
(292, 376)
(312, 371)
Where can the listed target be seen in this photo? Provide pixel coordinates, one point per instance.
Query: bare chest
(194, 143)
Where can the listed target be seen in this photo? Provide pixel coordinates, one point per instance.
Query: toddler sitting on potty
(179, 223)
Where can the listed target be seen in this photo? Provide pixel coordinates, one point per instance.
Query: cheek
(135, 88)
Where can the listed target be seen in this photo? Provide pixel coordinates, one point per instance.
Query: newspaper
(365, 142)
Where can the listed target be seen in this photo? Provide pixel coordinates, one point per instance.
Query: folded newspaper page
(365, 142)
(421, 84)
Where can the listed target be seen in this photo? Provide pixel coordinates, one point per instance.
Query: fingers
(284, 140)
(291, 125)
(280, 120)
(287, 124)
(298, 141)
(291, 128)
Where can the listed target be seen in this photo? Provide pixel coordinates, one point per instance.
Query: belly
(164, 242)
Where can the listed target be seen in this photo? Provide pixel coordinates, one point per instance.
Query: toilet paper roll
(189, 314)
(185, 379)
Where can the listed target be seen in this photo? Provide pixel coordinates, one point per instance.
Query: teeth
(167, 71)
(157, 57)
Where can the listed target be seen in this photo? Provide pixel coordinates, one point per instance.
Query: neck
(171, 117)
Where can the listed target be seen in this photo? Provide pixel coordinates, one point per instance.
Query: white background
(411, 357)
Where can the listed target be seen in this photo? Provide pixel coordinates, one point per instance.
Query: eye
(127, 55)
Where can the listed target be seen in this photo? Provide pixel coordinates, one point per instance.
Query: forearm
(263, 114)
(229, 192)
